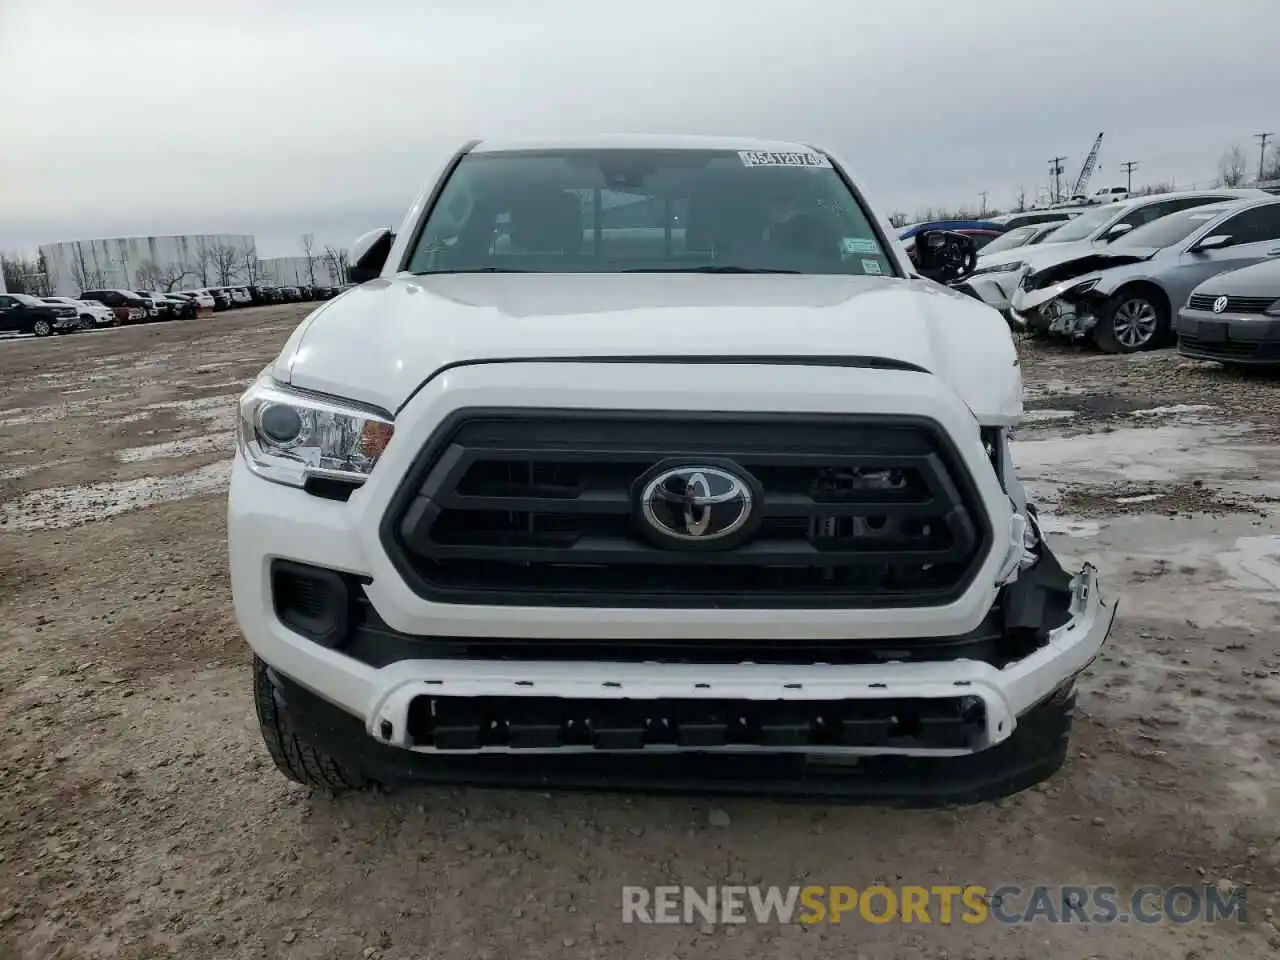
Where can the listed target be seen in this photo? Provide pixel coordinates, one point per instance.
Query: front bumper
(1231, 338)
(269, 522)
(993, 289)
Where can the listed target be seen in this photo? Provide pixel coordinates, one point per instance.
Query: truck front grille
(506, 507)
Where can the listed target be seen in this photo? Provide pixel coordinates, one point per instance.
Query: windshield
(26, 299)
(1007, 241)
(1085, 225)
(609, 211)
(1168, 230)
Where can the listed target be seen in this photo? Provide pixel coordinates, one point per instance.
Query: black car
(261, 295)
(183, 306)
(20, 313)
(221, 298)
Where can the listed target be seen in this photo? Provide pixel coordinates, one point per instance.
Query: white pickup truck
(650, 461)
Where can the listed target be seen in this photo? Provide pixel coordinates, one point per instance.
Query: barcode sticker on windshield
(859, 245)
(769, 158)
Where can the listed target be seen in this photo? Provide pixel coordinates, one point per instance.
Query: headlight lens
(1274, 309)
(999, 268)
(289, 436)
(1084, 286)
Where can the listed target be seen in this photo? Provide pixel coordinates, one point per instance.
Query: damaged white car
(1124, 296)
(650, 461)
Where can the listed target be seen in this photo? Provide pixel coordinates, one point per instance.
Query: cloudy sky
(278, 117)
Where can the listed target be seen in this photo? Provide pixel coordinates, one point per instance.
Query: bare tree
(335, 262)
(1231, 167)
(1271, 170)
(87, 275)
(223, 259)
(25, 276)
(172, 276)
(1020, 200)
(1147, 190)
(202, 265)
(251, 265)
(308, 244)
(148, 275)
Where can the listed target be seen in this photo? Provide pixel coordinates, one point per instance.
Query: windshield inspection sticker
(859, 245)
(767, 158)
(871, 267)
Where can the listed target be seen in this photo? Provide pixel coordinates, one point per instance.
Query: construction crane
(1091, 161)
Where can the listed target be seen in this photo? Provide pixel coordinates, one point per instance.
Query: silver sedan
(1125, 296)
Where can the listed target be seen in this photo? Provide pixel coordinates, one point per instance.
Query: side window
(7, 302)
(1259, 225)
(1154, 211)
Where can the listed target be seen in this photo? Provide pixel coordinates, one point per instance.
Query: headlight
(999, 268)
(1084, 286)
(1274, 309)
(289, 436)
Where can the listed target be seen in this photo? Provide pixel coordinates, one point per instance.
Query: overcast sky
(278, 117)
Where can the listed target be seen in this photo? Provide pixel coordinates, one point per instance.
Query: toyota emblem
(1220, 304)
(696, 504)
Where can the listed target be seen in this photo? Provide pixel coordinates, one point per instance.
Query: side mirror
(944, 255)
(1216, 242)
(369, 255)
(1119, 230)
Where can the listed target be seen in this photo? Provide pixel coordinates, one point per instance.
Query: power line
(1262, 139)
(1128, 171)
(1055, 167)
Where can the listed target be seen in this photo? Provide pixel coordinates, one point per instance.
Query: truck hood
(377, 343)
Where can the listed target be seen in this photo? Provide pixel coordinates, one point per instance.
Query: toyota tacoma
(651, 461)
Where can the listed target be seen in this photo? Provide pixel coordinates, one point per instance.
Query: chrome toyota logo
(696, 503)
(1220, 304)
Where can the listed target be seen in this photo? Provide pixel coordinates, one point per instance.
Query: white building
(291, 271)
(151, 263)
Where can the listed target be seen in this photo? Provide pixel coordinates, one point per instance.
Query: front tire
(1131, 322)
(42, 328)
(301, 762)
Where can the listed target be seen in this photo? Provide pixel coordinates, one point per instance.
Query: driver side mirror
(369, 255)
(1119, 230)
(1216, 242)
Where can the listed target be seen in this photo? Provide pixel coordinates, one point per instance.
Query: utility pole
(1128, 172)
(1262, 139)
(1055, 167)
(982, 212)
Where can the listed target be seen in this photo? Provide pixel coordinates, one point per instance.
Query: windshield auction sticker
(769, 158)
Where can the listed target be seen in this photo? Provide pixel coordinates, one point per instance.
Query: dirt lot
(140, 816)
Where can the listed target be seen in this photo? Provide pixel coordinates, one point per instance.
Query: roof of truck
(640, 141)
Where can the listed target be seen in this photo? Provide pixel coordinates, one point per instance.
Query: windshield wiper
(710, 268)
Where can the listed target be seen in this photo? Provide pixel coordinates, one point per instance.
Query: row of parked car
(45, 316)
(1201, 268)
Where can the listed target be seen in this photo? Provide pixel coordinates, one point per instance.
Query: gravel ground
(140, 816)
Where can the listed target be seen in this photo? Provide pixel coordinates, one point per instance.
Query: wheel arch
(1148, 287)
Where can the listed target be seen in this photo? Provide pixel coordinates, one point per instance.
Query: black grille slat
(1202, 301)
(539, 509)
(468, 723)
